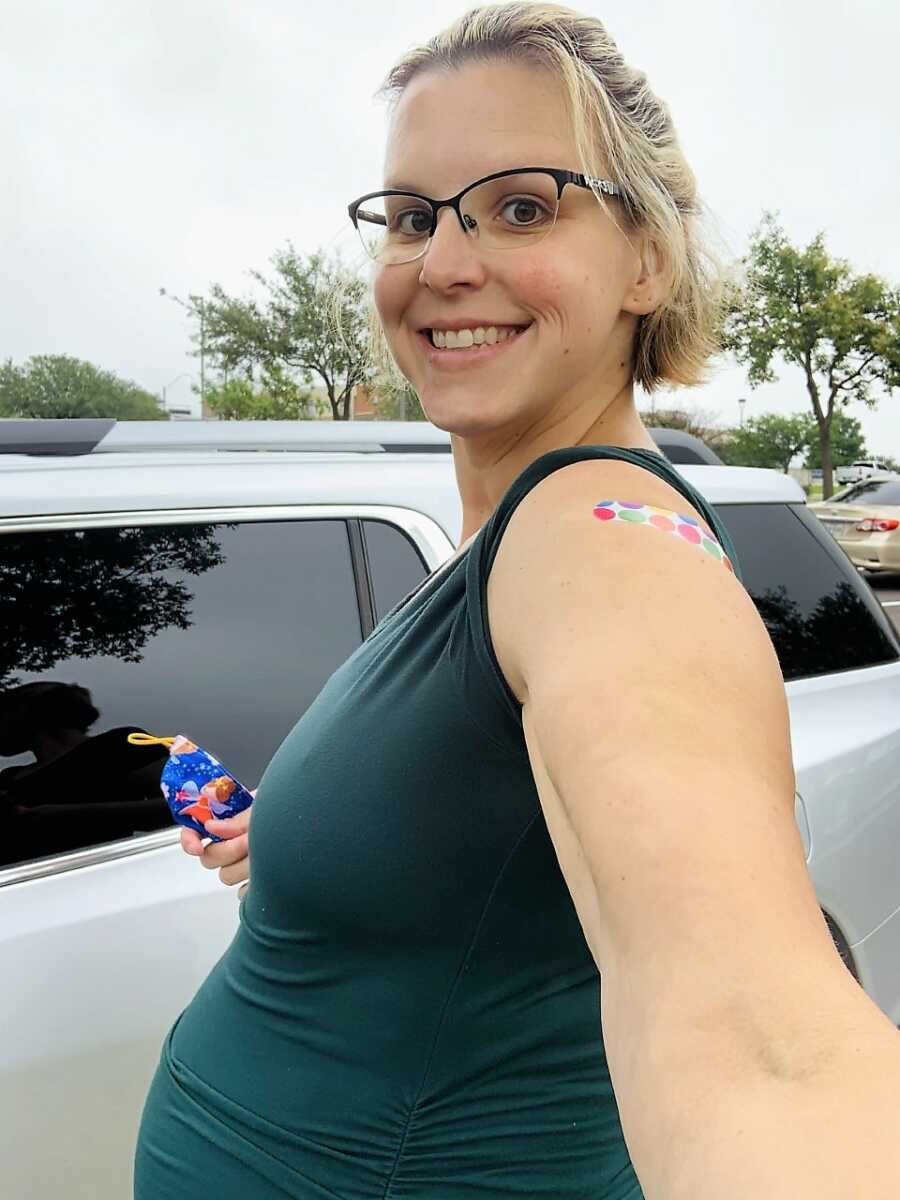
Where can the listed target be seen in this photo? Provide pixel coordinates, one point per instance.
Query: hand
(230, 857)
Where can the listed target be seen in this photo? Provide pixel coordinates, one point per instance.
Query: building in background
(362, 405)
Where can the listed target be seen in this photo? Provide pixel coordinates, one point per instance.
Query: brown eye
(415, 222)
(523, 211)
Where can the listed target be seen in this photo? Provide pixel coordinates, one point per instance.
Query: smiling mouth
(466, 339)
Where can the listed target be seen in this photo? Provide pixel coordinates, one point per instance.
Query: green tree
(56, 385)
(278, 399)
(848, 442)
(312, 324)
(842, 330)
(770, 440)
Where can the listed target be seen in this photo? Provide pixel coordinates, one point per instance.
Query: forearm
(710, 1115)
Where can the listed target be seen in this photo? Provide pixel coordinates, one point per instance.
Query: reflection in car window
(223, 632)
(820, 615)
(395, 566)
(845, 496)
(883, 491)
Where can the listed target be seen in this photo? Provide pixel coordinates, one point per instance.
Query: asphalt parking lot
(887, 589)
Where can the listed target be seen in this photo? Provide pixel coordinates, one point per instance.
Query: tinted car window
(845, 496)
(885, 491)
(395, 565)
(225, 633)
(820, 615)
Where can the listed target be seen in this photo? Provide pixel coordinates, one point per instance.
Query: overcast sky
(174, 143)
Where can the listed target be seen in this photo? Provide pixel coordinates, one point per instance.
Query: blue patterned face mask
(195, 785)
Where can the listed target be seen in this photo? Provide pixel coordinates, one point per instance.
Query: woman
(568, 751)
(80, 790)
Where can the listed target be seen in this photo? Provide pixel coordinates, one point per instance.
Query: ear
(650, 283)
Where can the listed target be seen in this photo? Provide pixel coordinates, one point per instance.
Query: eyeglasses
(505, 211)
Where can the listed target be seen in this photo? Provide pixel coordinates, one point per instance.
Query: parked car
(206, 578)
(858, 471)
(864, 520)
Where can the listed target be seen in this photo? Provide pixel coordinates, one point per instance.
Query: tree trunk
(823, 421)
(825, 453)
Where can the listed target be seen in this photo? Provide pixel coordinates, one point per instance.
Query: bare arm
(746, 1061)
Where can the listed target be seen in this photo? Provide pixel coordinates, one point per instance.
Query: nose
(451, 257)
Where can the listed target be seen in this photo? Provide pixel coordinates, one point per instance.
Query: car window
(395, 565)
(845, 495)
(820, 615)
(876, 491)
(223, 632)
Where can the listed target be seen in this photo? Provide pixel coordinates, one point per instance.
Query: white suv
(206, 579)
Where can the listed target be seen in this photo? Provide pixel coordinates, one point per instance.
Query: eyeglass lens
(504, 214)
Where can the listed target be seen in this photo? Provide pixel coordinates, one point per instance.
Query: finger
(236, 873)
(191, 841)
(229, 827)
(224, 854)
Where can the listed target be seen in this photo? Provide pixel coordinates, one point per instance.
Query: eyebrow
(403, 187)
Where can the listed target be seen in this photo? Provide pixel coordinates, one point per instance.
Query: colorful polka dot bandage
(686, 528)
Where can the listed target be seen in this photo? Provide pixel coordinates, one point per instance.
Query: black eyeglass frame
(560, 176)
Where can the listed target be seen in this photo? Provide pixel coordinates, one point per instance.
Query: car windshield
(876, 491)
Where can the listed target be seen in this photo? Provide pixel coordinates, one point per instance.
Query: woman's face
(577, 293)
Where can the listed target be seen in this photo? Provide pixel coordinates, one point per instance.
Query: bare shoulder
(556, 558)
(656, 722)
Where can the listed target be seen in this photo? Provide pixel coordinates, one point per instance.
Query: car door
(840, 659)
(223, 626)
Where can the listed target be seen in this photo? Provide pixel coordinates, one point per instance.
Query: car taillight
(877, 525)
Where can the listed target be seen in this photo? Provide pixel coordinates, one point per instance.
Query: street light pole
(741, 404)
(195, 307)
(171, 383)
(199, 302)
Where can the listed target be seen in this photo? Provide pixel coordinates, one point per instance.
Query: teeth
(463, 339)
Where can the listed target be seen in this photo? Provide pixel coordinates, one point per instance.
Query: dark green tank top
(409, 1008)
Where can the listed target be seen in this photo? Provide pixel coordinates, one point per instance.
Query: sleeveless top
(409, 1007)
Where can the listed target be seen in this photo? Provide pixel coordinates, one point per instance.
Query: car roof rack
(79, 436)
(51, 437)
(84, 436)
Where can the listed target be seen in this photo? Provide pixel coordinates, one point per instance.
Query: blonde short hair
(622, 128)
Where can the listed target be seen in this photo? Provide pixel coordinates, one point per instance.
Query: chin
(462, 426)
(454, 420)
(468, 417)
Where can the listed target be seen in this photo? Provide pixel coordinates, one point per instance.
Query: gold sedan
(864, 519)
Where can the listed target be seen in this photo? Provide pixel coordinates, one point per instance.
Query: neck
(487, 464)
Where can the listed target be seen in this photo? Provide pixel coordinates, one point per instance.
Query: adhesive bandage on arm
(688, 529)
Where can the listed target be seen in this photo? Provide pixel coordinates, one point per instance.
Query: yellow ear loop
(147, 739)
